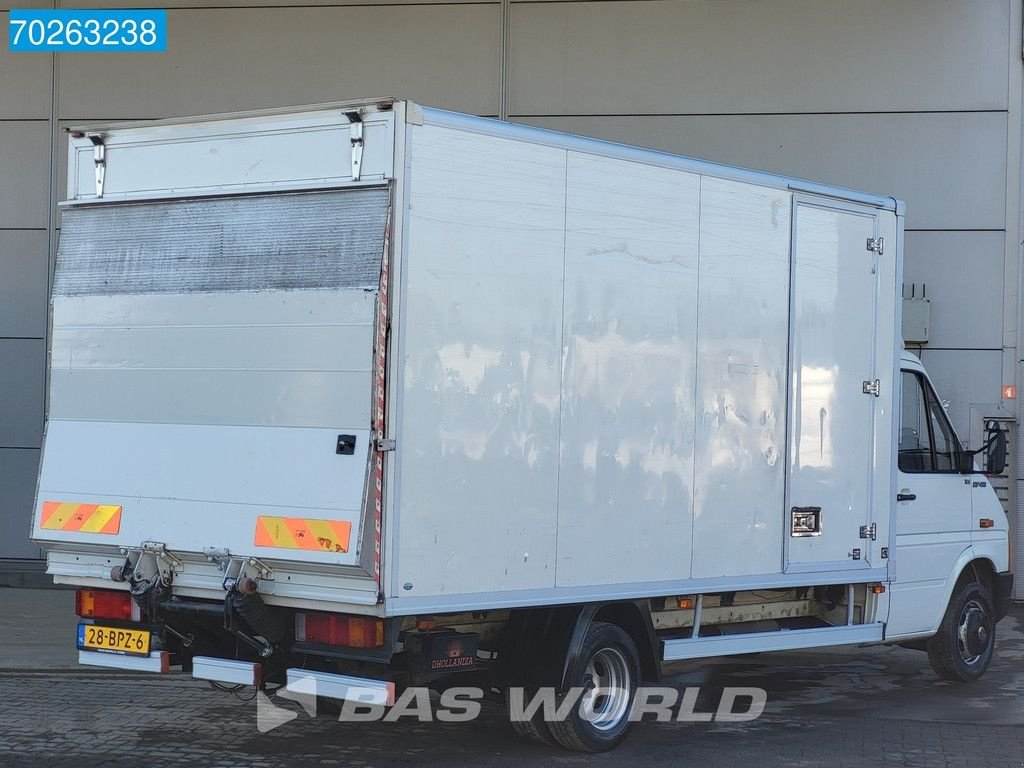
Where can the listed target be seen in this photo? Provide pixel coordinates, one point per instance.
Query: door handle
(906, 496)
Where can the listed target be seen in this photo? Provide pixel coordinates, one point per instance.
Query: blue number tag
(106, 31)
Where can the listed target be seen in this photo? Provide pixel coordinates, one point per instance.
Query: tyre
(962, 648)
(608, 671)
(535, 729)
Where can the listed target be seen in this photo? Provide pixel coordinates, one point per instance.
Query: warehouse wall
(915, 98)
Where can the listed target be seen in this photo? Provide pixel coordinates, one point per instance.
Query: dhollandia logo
(464, 704)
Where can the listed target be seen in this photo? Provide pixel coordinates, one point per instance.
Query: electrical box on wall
(916, 319)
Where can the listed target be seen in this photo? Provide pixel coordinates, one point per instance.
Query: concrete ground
(854, 707)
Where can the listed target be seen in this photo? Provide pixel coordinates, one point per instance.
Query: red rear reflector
(106, 604)
(986, 522)
(339, 629)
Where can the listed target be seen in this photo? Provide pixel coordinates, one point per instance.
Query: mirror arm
(987, 444)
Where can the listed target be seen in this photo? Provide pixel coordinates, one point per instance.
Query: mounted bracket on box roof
(99, 155)
(355, 121)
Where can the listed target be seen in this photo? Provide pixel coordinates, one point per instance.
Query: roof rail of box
(381, 104)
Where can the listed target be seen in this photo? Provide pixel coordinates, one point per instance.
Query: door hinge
(99, 156)
(869, 531)
(876, 245)
(355, 123)
(384, 444)
(872, 388)
(885, 553)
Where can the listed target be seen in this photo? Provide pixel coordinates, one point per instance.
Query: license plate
(128, 642)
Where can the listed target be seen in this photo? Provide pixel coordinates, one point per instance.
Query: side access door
(840, 398)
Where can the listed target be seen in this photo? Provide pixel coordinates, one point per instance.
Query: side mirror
(995, 449)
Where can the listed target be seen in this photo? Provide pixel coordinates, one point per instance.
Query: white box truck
(385, 395)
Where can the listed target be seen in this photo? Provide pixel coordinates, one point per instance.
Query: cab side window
(915, 439)
(927, 442)
(943, 439)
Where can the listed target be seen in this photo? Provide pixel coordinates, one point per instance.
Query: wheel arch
(969, 565)
(981, 568)
(540, 646)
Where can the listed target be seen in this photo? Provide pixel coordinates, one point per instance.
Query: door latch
(872, 388)
(806, 521)
(855, 554)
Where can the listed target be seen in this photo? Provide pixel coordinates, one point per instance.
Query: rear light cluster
(106, 604)
(339, 629)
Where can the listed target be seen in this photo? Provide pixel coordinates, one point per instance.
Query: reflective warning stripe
(303, 533)
(380, 364)
(84, 518)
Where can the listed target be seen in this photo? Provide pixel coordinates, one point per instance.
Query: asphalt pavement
(836, 707)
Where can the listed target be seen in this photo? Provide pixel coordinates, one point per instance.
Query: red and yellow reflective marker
(303, 533)
(84, 518)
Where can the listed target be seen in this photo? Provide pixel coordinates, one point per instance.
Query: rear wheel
(608, 671)
(962, 648)
(534, 729)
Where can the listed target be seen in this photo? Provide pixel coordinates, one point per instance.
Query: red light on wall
(1009, 392)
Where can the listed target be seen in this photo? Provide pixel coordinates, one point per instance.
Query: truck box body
(410, 362)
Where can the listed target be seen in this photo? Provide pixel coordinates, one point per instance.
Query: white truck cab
(368, 395)
(946, 514)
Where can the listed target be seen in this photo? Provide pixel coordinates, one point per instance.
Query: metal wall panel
(481, 355)
(953, 266)
(949, 168)
(625, 501)
(268, 358)
(962, 377)
(24, 263)
(776, 56)
(292, 151)
(199, 486)
(742, 358)
(25, 167)
(22, 369)
(223, 60)
(17, 489)
(25, 82)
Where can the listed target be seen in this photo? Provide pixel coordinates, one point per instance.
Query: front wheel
(608, 671)
(962, 648)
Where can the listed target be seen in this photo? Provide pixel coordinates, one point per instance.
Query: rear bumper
(1002, 589)
(363, 690)
(157, 661)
